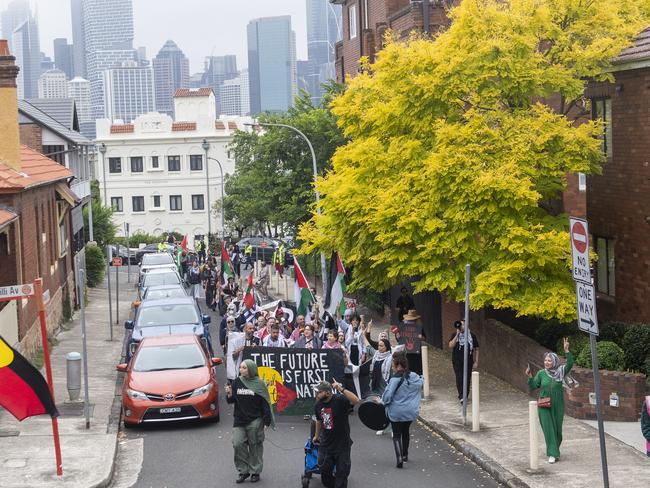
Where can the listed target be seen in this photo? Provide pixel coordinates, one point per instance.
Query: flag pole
(38, 293)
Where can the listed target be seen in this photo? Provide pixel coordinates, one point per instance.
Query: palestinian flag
(23, 390)
(227, 269)
(249, 298)
(303, 296)
(184, 243)
(336, 286)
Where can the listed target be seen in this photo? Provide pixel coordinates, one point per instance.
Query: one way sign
(586, 297)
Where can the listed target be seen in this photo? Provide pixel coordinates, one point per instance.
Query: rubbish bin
(73, 375)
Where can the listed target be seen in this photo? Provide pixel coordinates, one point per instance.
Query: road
(188, 455)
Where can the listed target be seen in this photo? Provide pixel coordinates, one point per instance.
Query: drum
(372, 413)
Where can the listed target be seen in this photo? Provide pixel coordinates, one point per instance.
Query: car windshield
(154, 259)
(160, 358)
(161, 279)
(168, 293)
(168, 315)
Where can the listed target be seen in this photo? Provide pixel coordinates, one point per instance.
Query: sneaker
(255, 478)
(551, 460)
(461, 401)
(380, 432)
(241, 478)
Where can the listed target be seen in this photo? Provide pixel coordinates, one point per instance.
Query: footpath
(27, 453)
(501, 447)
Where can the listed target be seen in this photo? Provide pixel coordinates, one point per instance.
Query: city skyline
(156, 21)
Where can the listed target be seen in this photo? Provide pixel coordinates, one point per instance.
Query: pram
(311, 462)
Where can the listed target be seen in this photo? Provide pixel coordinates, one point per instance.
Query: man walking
(457, 345)
(248, 254)
(333, 433)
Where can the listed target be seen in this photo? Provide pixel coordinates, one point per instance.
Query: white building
(155, 168)
(230, 97)
(79, 90)
(128, 91)
(53, 84)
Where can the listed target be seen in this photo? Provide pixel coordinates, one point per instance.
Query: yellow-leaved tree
(454, 152)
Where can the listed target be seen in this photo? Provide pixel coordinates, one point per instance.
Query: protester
(275, 339)
(228, 324)
(645, 423)
(299, 328)
(404, 304)
(248, 339)
(414, 358)
(231, 287)
(402, 400)
(354, 343)
(194, 280)
(333, 433)
(550, 404)
(263, 329)
(308, 340)
(248, 254)
(457, 346)
(252, 414)
(211, 287)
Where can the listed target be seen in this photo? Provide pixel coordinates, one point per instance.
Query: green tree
(271, 190)
(103, 227)
(452, 154)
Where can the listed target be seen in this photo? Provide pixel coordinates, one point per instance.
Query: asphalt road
(188, 455)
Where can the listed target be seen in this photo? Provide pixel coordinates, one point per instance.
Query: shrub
(636, 344)
(576, 344)
(610, 356)
(613, 332)
(646, 367)
(95, 265)
(548, 333)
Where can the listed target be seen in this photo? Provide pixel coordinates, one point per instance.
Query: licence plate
(170, 410)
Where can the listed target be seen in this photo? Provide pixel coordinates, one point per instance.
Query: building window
(138, 204)
(197, 202)
(156, 201)
(196, 162)
(582, 182)
(606, 266)
(136, 164)
(602, 110)
(63, 237)
(154, 162)
(175, 202)
(173, 163)
(116, 204)
(352, 21)
(114, 165)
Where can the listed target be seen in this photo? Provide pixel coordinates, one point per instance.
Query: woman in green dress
(551, 381)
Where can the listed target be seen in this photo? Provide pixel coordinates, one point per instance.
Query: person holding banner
(308, 340)
(275, 339)
(252, 414)
(402, 400)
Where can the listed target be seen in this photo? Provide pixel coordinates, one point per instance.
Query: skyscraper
(271, 64)
(79, 90)
(128, 91)
(53, 84)
(323, 32)
(230, 97)
(19, 27)
(63, 57)
(103, 38)
(171, 70)
(217, 70)
(16, 13)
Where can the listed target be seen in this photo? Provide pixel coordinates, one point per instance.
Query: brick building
(366, 21)
(35, 222)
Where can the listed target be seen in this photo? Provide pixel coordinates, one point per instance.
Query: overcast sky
(199, 27)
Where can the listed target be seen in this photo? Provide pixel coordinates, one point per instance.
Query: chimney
(10, 140)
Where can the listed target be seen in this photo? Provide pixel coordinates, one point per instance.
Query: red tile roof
(189, 92)
(6, 216)
(183, 126)
(122, 129)
(219, 125)
(232, 125)
(35, 170)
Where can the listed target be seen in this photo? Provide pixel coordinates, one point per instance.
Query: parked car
(167, 317)
(122, 252)
(159, 260)
(170, 378)
(152, 249)
(160, 292)
(157, 277)
(264, 248)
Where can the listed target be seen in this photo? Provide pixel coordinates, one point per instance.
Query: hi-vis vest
(162, 247)
(248, 250)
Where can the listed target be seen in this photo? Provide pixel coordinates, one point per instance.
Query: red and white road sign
(14, 292)
(579, 231)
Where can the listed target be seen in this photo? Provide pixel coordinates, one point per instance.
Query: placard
(410, 335)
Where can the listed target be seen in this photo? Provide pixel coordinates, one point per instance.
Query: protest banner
(292, 374)
(410, 336)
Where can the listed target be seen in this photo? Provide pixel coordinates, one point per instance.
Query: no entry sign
(579, 231)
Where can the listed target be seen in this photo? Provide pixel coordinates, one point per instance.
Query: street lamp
(206, 148)
(102, 150)
(315, 170)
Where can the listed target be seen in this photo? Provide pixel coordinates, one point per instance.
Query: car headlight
(136, 395)
(202, 391)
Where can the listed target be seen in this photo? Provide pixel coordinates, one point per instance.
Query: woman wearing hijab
(552, 380)
(380, 367)
(252, 413)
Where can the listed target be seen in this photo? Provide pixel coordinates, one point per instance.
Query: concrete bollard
(532, 428)
(476, 412)
(424, 353)
(73, 375)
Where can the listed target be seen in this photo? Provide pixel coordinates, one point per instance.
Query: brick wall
(31, 135)
(630, 387)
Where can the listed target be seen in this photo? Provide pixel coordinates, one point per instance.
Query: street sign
(117, 261)
(16, 291)
(579, 231)
(586, 298)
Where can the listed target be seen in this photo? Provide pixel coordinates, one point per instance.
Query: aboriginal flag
(23, 390)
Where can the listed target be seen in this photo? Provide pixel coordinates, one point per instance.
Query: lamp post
(206, 148)
(102, 150)
(315, 170)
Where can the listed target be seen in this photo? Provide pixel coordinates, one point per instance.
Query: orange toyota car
(170, 378)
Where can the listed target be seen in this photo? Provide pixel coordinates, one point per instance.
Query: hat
(458, 324)
(323, 386)
(412, 315)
